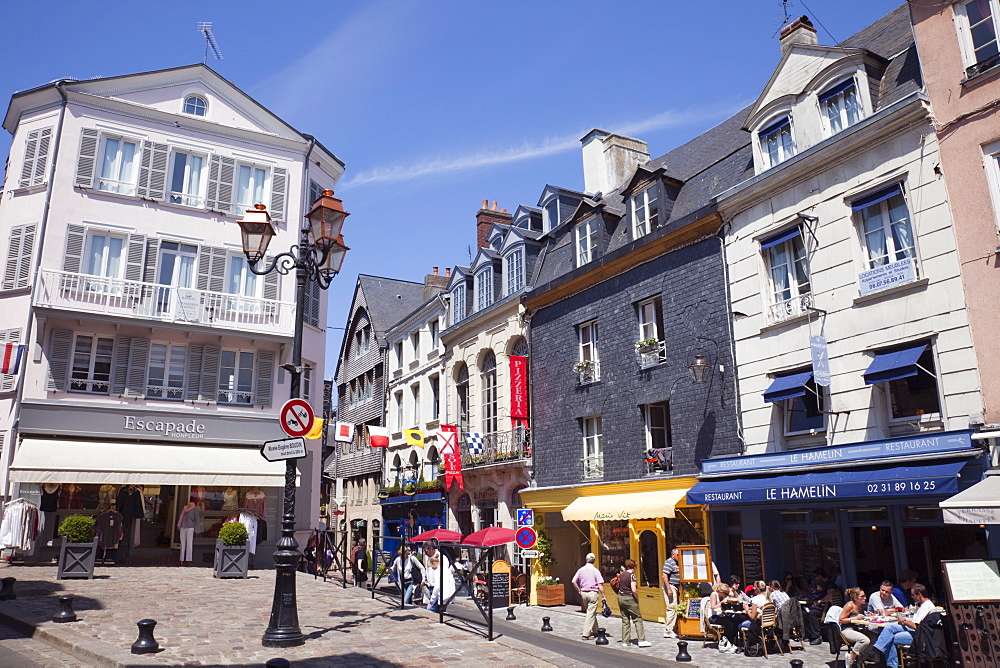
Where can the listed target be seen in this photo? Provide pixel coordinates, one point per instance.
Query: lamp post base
(283, 630)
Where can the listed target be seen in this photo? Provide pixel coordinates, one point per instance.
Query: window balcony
(501, 447)
(185, 199)
(589, 371)
(81, 293)
(651, 355)
(593, 467)
(790, 308)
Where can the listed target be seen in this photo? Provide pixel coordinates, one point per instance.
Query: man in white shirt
(900, 634)
(883, 598)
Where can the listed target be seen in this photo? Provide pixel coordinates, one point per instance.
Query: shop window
(614, 548)
(922, 514)
(91, 371)
(866, 514)
(733, 519)
(649, 559)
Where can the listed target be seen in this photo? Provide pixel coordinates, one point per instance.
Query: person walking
(628, 603)
(589, 583)
(671, 586)
(409, 571)
(359, 562)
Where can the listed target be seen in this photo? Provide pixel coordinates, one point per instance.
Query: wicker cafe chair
(519, 589)
(769, 627)
(713, 632)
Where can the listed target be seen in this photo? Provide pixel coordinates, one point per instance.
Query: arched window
(488, 375)
(195, 105)
(520, 347)
(462, 392)
(397, 467)
(431, 461)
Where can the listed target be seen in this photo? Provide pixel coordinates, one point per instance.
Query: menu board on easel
(972, 580)
(753, 560)
(695, 563)
(974, 606)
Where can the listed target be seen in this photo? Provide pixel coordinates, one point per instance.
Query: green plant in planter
(233, 533)
(692, 591)
(544, 547)
(680, 609)
(77, 528)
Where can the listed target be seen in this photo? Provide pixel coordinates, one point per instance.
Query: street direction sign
(297, 417)
(525, 538)
(525, 517)
(529, 554)
(284, 448)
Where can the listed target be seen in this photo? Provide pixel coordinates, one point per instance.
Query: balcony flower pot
(232, 552)
(78, 551)
(583, 367)
(647, 346)
(550, 594)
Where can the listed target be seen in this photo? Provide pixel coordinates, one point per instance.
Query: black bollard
(145, 644)
(545, 624)
(510, 613)
(278, 662)
(682, 651)
(602, 637)
(65, 613)
(7, 589)
(796, 663)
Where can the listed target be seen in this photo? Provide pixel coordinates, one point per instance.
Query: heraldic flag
(448, 433)
(414, 437)
(378, 437)
(344, 432)
(10, 357)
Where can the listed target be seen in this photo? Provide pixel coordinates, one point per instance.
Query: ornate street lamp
(316, 259)
(698, 368)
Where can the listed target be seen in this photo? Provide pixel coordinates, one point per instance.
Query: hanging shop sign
(518, 391)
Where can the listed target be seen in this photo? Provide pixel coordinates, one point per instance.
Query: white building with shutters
(153, 354)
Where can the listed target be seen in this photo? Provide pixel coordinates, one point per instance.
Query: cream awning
(636, 506)
(980, 504)
(58, 461)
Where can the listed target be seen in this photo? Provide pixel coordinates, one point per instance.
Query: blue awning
(834, 486)
(836, 90)
(781, 237)
(788, 387)
(777, 125)
(894, 365)
(876, 197)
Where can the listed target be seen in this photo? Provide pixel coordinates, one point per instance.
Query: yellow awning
(637, 506)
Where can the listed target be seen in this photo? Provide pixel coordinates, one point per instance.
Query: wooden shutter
(210, 373)
(134, 257)
(270, 280)
(212, 192)
(17, 270)
(42, 157)
(153, 171)
(315, 190)
(152, 253)
(119, 374)
(311, 312)
(7, 380)
(30, 155)
(212, 268)
(86, 161)
(265, 378)
(76, 236)
(279, 190)
(138, 360)
(221, 172)
(60, 346)
(193, 381)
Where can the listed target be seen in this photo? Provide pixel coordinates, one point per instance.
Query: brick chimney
(609, 159)
(485, 219)
(799, 31)
(434, 283)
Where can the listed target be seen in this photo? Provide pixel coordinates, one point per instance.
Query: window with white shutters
(313, 296)
(60, 345)
(34, 169)
(202, 372)
(17, 269)
(128, 377)
(153, 171)
(7, 380)
(219, 194)
(264, 382)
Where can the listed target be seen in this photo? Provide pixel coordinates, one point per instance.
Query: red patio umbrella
(489, 537)
(443, 535)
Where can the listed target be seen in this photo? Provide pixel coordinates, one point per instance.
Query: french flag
(10, 357)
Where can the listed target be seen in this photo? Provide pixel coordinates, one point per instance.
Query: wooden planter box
(550, 595)
(689, 628)
(76, 560)
(231, 561)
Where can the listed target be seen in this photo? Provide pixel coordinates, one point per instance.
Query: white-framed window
(513, 269)
(241, 281)
(195, 105)
(432, 328)
(236, 377)
(650, 320)
(593, 447)
(415, 397)
(251, 186)
(912, 390)
(399, 354)
(187, 179)
(776, 143)
(105, 255)
(399, 410)
(462, 397)
(415, 344)
(587, 335)
(458, 304)
(550, 214)
(886, 232)
(305, 387)
(977, 28)
(644, 211)
(118, 158)
(165, 378)
(788, 274)
(841, 106)
(586, 241)
(91, 369)
(488, 378)
(657, 418)
(484, 288)
(435, 383)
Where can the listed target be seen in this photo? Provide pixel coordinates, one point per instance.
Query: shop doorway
(874, 556)
(926, 547)
(650, 553)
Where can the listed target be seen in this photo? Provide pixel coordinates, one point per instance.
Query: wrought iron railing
(593, 466)
(652, 355)
(497, 448)
(589, 371)
(790, 308)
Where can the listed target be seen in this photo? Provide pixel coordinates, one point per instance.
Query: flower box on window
(646, 346)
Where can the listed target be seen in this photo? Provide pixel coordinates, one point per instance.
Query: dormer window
(513, 268)
(776, 144)
(484, 288)
(496, 242)
(550, 214)
(458, 304)
(195, 105)
(586, 241)
(645, 212)
(841, 105)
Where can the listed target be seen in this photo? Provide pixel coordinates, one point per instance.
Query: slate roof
(389, 300)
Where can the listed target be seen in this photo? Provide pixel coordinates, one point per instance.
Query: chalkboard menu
(500, 575)
(693, 608)
(753, 560)
(812, 558)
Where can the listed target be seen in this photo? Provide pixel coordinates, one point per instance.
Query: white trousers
(187, 544)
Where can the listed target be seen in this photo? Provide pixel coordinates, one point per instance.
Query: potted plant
(232, 553)
(689, 627)
(78, 551)
(647, 346)
(583, 366)
(549, 591)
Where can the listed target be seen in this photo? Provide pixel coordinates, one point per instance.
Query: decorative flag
(10, 357)
(518, 391)
(453, 471)
(378, 437)
(448, 434)
(344, 432)
(475, 441)
(317, 430)
(414, 437)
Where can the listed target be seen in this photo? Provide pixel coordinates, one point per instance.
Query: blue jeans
(408, 588)
(892, 635)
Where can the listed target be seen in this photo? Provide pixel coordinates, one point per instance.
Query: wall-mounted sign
(887, 276)
(486, 498)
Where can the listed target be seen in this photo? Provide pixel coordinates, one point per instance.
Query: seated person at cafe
(901, 633)
(736, 589)
(902, 591)
(757, 601)
(854, 609)
(883, 598)
(825, 594)
(720, 617)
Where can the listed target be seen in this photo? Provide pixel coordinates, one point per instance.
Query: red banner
(518, 391)
(453, 471)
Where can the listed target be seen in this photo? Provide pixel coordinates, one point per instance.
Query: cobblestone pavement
(17, 649)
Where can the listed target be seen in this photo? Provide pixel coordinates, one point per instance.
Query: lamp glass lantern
(256, 230)
(698, 368)
(326, 219)
(334, 258)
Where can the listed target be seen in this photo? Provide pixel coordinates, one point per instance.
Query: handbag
(607, 610)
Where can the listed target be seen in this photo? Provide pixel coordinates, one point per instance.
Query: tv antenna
(205, 28)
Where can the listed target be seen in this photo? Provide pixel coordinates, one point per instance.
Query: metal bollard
(602, 636)
(278, 662)
(682, 651)
(510, 613)
(796, 663)
(145, 644)
(545, 624)
(65, 613)
(7, 589)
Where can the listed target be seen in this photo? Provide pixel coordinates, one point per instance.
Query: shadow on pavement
(51, 591)
(348, 659)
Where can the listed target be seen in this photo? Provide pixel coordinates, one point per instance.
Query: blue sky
(436, 105)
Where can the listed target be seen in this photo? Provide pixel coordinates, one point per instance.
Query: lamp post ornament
(318, 259)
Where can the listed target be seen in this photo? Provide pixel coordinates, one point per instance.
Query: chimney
(447, 272)
(434, 283)
(485, 219)
(799, 31)
(609, 159)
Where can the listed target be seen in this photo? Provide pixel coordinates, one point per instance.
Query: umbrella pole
(489, 585)
(440, 591)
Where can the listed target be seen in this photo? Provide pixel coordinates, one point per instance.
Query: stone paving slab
(19, 649)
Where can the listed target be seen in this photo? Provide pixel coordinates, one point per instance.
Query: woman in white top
(853, 609)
